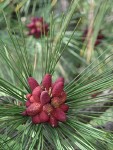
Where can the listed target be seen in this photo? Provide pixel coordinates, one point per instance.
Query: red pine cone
(99, 39)
(58, 89)
(43, 116)
(36, 93)
(34, 109)
(64, 107)
(32, 100)
(60, 79)
(27, 103)
(28, 96)
(44, 98)
(59, 115)
(31, 25)
(36, 119)
(32, 83)
(47, 81)
(38, 27)
(46, 103)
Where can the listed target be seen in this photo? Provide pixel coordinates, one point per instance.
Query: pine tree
(24, 63)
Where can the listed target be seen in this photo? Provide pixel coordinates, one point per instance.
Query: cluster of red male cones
(38, 27)
(99, 38)
(46, 102)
